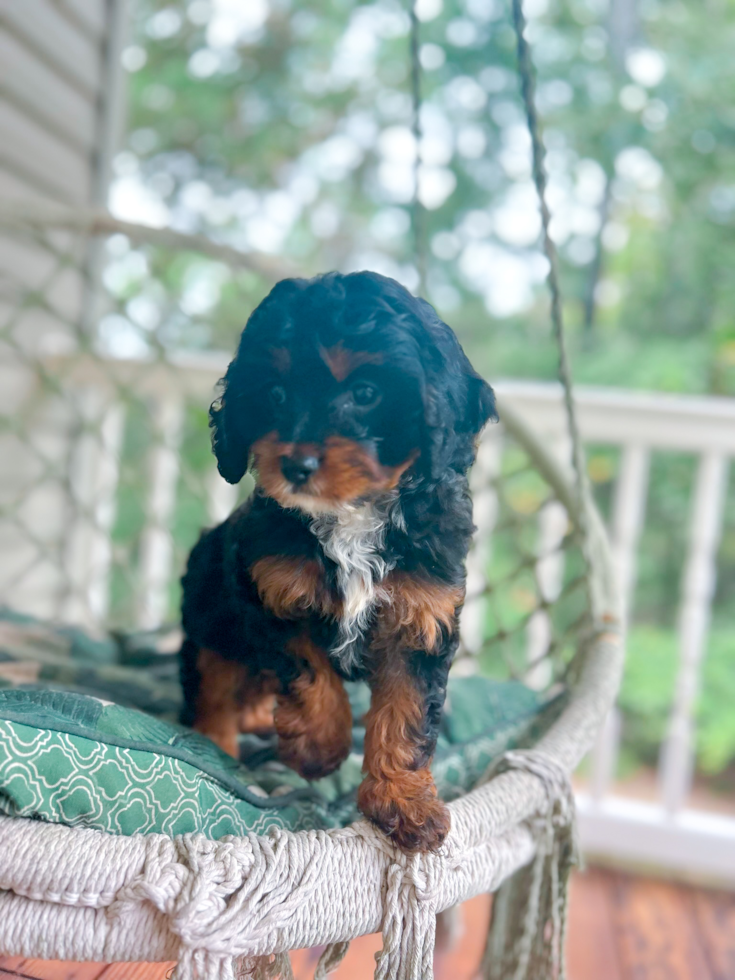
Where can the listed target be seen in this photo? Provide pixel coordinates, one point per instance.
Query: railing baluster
(553, 523)
(629, 511)
(156, 552)
(484, 513)
(221, 497)
(94, 474)
(677, 756)
(628, 516)
(112, 430)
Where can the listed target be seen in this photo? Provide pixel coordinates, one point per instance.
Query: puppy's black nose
(298, 469)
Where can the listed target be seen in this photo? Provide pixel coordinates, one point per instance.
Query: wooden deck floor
(621, 928)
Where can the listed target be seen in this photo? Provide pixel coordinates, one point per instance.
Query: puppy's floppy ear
(239, 417)
(227, 416)
(480, 405)
(457, 401)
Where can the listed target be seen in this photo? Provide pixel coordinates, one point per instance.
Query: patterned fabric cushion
(76, 758)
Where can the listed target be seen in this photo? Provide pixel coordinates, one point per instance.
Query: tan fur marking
(217, 707)
(347, 472)
(342, 362)
(415, 611)
(313, 718)
(230, 700)
(292, 587)
(400, 798)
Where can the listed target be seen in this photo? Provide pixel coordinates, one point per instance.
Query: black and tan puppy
(359, 412)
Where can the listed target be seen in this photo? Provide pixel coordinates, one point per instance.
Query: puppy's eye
(277, 395)
(365, 394)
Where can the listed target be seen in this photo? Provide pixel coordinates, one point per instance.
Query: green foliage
(648, 690)
(280, 130)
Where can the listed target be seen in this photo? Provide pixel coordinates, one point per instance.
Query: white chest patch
(354, 538)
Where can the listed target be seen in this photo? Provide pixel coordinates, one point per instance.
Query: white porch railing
(665, 832)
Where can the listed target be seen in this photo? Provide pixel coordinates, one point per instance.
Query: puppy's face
(336, 391)
(330, 416)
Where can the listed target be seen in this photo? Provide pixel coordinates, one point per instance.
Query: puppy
(360, 414)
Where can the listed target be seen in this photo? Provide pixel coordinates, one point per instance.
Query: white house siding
(60, 109)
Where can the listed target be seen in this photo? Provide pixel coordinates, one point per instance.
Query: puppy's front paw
(407, 809)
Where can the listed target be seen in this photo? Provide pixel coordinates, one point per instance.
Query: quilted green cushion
(78, 759)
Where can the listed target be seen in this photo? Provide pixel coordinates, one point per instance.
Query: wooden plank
(714, 914)
(29, 83)
(303, 962)
(10, 965)
(63, 47)
(359, 964)
(657, 938)
(27, 149)
(591, 944)
(463, 956)
(59, 970)
(137, 971)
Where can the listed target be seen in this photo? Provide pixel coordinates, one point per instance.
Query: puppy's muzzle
(298, 469)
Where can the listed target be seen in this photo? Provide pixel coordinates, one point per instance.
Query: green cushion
(77, 759)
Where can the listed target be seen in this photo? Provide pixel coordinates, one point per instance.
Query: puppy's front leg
(413, 647)
(398, 792)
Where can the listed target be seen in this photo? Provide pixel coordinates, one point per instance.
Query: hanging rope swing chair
(231, 902)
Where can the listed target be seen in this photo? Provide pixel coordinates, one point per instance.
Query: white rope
(330, 960)
(223, 897)
(234, 907)
(534, 946)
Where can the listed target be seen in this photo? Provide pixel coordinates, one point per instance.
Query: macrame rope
(534, 950)
(330, 960)
(222, 898)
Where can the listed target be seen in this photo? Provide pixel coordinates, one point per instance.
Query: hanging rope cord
(525, 70)
(417, 212)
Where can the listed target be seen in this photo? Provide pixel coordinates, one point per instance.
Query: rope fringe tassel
(527, 932)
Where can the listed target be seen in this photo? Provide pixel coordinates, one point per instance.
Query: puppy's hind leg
(313, 716)
(257, 704)
(213, 694)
